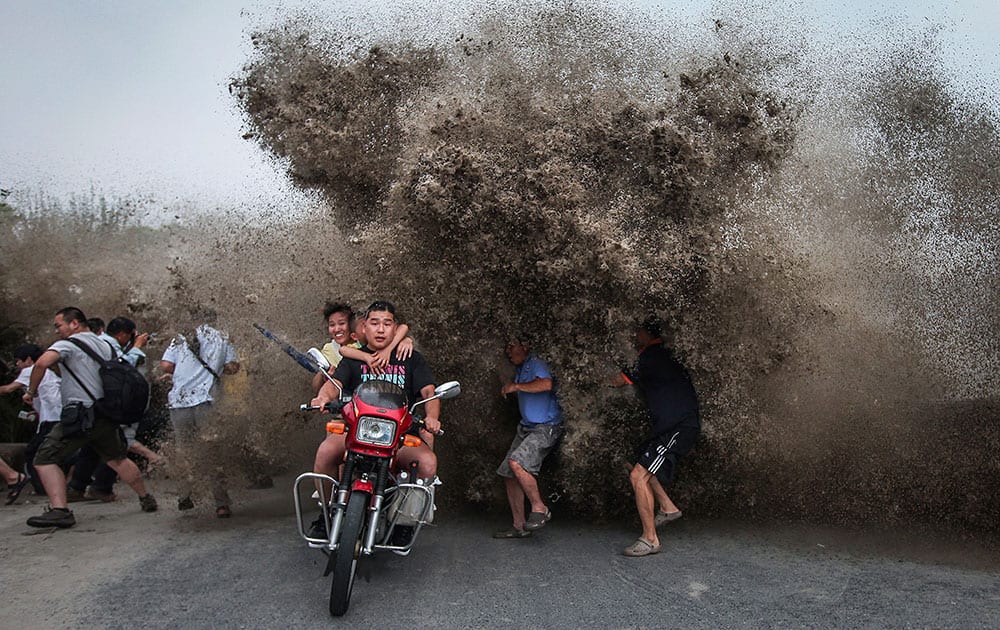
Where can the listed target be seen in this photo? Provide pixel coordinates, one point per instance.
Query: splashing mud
(565, 171)
(823, 250)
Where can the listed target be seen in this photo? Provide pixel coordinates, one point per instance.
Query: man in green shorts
(537, 434)
(79, 422)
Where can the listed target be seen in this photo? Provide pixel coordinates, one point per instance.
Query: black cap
(652, 326)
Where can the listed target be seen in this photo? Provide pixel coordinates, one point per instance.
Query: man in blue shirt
(537, 434)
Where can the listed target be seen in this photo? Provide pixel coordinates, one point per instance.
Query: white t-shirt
(83, 367)
(193, 384)
(48, 402)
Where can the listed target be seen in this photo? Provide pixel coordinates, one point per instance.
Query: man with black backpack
(91, 479)
(84, 359)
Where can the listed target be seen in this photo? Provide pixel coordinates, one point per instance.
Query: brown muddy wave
(822, 249)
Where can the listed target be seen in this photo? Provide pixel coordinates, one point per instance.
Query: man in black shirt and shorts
(673, 409)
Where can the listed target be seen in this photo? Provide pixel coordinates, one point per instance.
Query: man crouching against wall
(666, 386)
(537, 434)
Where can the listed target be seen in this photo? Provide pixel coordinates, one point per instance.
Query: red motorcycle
(375, 505)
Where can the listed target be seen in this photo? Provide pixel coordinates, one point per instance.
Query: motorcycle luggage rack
(426, 511)
(312, 477)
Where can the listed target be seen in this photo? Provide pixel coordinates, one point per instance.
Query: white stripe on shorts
(656, 464)
(662, 450)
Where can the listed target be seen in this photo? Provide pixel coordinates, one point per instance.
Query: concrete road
(120, 568)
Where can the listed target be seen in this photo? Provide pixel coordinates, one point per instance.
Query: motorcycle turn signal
(336, 427)
(412, 440)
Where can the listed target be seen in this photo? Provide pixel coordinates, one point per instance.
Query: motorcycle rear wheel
(348, 552)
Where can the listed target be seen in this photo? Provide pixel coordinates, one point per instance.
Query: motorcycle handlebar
(420, 423)
(334, 407)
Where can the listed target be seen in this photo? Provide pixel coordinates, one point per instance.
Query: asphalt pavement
(120, 568)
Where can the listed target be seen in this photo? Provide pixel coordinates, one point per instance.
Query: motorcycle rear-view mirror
(318, 357)
(443, 391)
(448, 390)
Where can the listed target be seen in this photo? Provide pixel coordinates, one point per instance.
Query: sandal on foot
(512, 532)
(662, 518)
(537, 520)
(641, 547)
(148, 503)
(15, 489)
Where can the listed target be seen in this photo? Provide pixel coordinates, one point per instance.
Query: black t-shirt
(412, 374)
(667, 388)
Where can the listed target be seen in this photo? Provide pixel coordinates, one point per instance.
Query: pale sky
(130, 98)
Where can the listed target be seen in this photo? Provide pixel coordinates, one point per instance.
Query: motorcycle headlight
(376, 431)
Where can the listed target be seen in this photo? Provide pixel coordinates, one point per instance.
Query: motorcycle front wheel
(348, 551)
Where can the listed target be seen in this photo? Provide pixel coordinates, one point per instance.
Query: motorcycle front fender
(363, 485)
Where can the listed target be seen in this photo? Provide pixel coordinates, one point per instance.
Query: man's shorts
(105, 438)
(660, 455)
(530, 446)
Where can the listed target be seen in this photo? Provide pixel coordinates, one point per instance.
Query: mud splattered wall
(821, 245)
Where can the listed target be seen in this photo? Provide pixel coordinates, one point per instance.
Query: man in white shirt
(197, 361)
(47, 406)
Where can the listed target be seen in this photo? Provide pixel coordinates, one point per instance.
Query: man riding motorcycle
(412, 374)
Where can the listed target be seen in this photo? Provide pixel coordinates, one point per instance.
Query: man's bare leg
(666, 505)
(644, 502)
(54, 481)
(129, 473)
(10, 475)
(515, 497)
(529, 485)
(329, 457)
(423, 455)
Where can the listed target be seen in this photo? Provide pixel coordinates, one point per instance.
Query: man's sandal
(537, 520)
(641, 547)
(16, 488)
(512, 532)
(662, 518)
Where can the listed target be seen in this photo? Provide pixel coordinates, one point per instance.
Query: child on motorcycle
(342, 326)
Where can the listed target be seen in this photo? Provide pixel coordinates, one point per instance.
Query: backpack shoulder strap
(204, 365)
(90, 351)
(115, 354)
(79, 382)
(197, 355)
